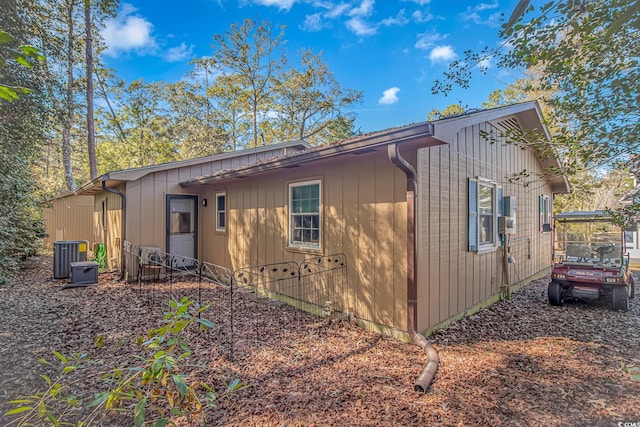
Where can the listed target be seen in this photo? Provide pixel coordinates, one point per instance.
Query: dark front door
(182, 224)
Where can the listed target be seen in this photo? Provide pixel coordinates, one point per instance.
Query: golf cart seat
(578, 251)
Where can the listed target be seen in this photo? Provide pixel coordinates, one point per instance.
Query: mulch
(520, 362)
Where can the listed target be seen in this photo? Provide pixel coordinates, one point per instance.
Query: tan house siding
(452, 279)
(68, 218)
(106, 225)
(363, 215)
(146, 189)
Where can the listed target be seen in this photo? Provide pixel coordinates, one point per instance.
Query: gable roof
(419, 135)
(112, 179)
(416, 135)
(526, 115)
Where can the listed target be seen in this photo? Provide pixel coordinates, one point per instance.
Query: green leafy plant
(44, 406)
(154, 392)
(635, 372)
(22, 55)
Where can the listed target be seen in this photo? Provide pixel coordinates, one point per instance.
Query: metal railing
(243, 304)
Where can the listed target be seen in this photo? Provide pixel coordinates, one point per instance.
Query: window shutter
(472, 218)
(500, 212)
(540, 211)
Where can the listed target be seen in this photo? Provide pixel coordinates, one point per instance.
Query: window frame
(223, 228)
(293, 244)
(545, 210)
(474, 239)
(493, 217)
(634, 237)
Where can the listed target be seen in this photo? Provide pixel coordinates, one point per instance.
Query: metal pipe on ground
(425, 379)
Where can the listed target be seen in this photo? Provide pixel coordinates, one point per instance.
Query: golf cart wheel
(555, 293)
(620, 298)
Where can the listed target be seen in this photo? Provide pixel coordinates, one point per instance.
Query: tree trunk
(91, 134)
(68, 124)
(255, 123)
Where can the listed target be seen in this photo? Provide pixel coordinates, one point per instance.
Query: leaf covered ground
(518, 362)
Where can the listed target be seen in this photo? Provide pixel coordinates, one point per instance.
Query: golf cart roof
(582, 216)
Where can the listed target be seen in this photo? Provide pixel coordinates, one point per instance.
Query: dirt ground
(517, 363)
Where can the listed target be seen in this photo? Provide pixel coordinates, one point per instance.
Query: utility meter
(507, 223)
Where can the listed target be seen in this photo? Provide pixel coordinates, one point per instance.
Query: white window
(486, 213)
(485, 206)
(545, 210)
(630, 239)
(221, 211)
(304, 215)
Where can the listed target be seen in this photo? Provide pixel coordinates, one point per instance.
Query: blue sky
(392, 50)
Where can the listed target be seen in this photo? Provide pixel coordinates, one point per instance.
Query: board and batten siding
(146, 200)
(363, 215)
(107, 224)
(452, 279)
(68, 218)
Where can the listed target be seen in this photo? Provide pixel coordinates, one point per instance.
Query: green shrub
(153, 392)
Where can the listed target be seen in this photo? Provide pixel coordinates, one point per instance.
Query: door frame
(170, 197)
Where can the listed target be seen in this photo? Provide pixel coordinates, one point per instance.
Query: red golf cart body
(590, 260)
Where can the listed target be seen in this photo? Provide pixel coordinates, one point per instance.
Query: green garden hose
(100, 255)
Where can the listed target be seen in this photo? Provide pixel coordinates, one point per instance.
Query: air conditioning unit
(64, 253)
(84, 272)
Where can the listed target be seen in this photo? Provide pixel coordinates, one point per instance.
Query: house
(149, 198)
(416, 211)
(632, 235)
(68, 217)
(427, 215)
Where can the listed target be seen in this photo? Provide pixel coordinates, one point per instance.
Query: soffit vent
(507, 125)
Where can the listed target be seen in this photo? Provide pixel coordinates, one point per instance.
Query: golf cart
(589, 260)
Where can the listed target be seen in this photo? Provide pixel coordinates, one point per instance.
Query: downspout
(412, 287)
(124, 224)
(426, 378)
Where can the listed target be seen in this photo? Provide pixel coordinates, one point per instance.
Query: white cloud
(280, 4)
(420, 2)
(178, 53)
(336, 11)
(427, 41)
(365, 8)
(485, 63)
(313, 23)
(320, 20)
(471, 14)
(356, 16)
(492, 20)
(389, 96)
(486, 6)
(128, 32)
(359, 27)
(419, 16)
(442, 54)
(398, 20)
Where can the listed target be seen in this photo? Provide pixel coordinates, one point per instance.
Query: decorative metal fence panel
(243, 304)
(324, 285)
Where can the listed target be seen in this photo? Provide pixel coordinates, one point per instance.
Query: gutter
(356, 145)
(426, 378)
(124, 223)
